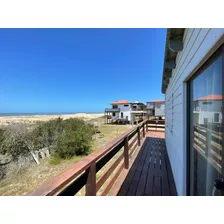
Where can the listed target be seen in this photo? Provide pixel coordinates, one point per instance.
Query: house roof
(121, 102)
(210, 97)
(156, 101)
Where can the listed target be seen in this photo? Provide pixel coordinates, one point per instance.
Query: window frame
(218, 53)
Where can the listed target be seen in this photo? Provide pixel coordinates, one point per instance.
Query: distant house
(207, 110)
(156, 108)
(124, 111)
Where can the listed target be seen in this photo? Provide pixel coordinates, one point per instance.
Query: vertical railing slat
(144, 130)
(126, 153)
(139, 136)
(91, 180)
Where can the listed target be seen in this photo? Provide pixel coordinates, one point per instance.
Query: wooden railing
(209, 144)
(112, 110)
(83, 173)
(156, 125)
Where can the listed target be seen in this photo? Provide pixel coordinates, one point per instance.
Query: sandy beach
(34, 118)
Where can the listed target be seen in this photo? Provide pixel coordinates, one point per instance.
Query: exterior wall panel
(197, 44)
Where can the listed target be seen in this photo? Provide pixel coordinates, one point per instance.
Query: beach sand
(34, 118)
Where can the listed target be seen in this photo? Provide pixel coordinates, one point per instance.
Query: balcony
(135, 163)
(150, 107)
(138, 108)
(112, 110)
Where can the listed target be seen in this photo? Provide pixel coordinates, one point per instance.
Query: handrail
(112, 109)
(84, 171)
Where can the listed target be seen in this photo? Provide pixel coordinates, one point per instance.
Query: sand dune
(35, 118)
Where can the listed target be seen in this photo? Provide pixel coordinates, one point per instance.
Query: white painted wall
(126, 111)
(197, 44)
(159, 109)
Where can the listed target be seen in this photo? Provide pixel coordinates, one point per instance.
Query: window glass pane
(206, 129)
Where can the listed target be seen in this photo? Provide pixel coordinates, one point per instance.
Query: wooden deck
(150, 174)
(135, 163)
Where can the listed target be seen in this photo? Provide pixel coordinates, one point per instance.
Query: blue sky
(78, 70)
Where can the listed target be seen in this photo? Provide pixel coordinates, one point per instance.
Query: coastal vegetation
(66, 138)
(25, 177)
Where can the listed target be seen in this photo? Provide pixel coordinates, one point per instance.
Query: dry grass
(29, 178)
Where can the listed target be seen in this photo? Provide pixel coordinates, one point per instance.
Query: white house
(193, 77)
(156, 108)
(126, 112)
(208, 110)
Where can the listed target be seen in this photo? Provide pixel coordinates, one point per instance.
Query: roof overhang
(174, 44)
(139, 103)
(156, 101)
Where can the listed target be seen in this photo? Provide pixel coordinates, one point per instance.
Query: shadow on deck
(151, 173)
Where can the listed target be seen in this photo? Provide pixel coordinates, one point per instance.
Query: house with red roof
(124, 111)
(208, 109)
(156, 108)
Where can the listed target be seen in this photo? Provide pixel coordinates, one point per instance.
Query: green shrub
(46, 133)
(14, 143)
(2, 136)
(67, 137)
(75, 140)
(55, 160)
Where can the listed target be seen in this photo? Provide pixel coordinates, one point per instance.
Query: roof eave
(174, 44)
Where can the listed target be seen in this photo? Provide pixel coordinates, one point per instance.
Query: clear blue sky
(78, 70)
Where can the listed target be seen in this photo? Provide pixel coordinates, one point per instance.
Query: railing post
(126, 154)
(209, 140)
(144, 130)
(139, 136)
(91, 180)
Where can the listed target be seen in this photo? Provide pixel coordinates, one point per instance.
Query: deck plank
(127, 183)
(135, 181)
(142, 182)
(151, 173)
(165, 182)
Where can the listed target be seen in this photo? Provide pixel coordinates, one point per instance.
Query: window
(216, 117)
(205, 157)
(126, 105)
(114, 114)
(115, 106)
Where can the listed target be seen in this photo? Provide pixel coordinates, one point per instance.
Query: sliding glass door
(206, 124)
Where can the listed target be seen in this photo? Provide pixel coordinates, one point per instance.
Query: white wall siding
(125, 110)
(197, 44)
